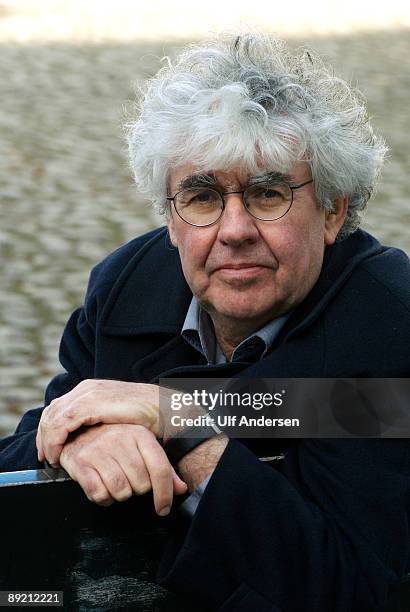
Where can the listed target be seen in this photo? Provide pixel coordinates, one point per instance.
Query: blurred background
(67, 74)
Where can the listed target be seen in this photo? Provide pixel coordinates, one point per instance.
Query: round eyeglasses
(204, 206)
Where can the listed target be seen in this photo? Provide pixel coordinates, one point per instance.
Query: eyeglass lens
(204, 206)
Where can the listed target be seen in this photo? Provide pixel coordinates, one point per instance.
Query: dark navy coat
(329, 529)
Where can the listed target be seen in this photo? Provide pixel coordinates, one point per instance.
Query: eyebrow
(270, 177)
(208, 179)
(197, 180)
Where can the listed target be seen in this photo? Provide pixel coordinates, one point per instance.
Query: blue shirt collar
(198, 330)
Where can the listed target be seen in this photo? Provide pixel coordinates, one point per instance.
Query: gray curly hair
(246, 100)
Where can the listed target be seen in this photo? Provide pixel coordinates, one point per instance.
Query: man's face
(245, 271)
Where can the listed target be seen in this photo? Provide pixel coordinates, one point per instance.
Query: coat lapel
(173, 354)
(150, 295)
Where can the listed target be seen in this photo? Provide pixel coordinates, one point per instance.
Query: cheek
(299, 253)
(193, 251)
(283, 243)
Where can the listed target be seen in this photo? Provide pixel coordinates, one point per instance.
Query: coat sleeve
(18, 451)
(77, 354)
(329, 532)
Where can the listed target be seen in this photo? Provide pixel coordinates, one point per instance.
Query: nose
(236, 226)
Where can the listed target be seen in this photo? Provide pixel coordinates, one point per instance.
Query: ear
(171, 229)
(334, 219)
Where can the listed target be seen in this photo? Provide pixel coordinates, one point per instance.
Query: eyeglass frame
(223, 193)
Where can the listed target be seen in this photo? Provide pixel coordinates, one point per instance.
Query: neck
(230, 333)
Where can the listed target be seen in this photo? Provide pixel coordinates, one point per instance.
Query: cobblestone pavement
(67, 198)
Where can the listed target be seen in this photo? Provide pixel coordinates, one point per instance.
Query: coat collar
(151, 295)
(339, 263)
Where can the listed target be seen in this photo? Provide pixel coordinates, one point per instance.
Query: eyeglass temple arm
(301, 184)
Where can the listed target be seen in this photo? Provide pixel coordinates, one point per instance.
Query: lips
(238, 274)
(240, 266)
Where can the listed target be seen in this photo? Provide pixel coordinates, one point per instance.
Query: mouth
(240, 266)
(244, 271)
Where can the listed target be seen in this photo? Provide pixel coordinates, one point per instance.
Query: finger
(135, 470)
(50, 447)
(159, 469)
(90, 409)
(144, 401)
(46, 439)
(91, 483)
(60, 418)
(113, 478)
(180, 487)
(85, 458)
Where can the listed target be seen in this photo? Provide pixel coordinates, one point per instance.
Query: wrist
(199, 463)
(188, 438)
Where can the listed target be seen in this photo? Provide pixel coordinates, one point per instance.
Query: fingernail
(164, 511)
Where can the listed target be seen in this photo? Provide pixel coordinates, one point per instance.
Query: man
(261, 162)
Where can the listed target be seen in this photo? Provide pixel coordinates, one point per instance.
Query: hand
(113, 462)
(92, 402)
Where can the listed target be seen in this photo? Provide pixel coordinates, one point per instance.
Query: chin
(242, 305)
(246, 312)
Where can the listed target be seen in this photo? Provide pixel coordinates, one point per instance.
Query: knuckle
(123, 495)
(71, 411)
(118, 486)
(77, 410)
(82, 456)
(95, 491)
(137, 467)
(142, 487)
(117, 483)
(144, 435)
(101, 498)
(90, 485)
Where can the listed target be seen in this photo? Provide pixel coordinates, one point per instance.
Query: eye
(268, 193)
(199, 197)
(205, 195)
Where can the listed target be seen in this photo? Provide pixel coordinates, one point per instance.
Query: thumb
(180, 486)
